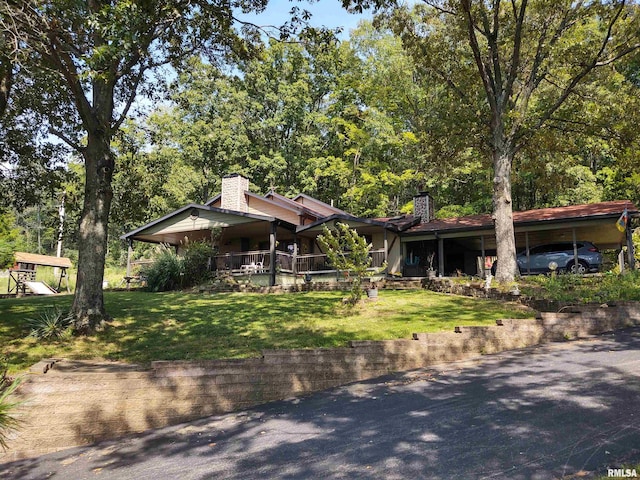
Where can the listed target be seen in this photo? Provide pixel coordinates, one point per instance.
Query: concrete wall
(71, 403)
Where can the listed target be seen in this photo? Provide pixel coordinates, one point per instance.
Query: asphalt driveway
(565, 410)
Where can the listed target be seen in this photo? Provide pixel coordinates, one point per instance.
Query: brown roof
(45, 260)
(553, 214)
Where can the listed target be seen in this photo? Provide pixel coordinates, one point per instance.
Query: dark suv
(589, 258)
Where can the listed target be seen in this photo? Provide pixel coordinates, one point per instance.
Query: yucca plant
(8, 422)
(52, 323)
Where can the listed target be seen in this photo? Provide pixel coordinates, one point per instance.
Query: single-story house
(274, 238)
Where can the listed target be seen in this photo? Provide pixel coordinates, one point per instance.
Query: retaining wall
(72, 403)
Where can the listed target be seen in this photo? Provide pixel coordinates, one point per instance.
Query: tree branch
(79, 148)
(487, 81)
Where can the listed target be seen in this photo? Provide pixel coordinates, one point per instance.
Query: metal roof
(44, 260)
(540, 216)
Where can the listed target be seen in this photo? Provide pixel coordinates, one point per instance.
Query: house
(273, 238)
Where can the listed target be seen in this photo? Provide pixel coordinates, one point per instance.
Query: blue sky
(328, 13)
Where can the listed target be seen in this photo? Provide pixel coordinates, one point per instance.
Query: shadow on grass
(177, 326)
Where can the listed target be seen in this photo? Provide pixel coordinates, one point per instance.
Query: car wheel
(580, 269)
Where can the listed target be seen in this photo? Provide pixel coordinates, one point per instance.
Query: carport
(467, 244)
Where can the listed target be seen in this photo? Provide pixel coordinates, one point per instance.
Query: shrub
(165, 273)
(171, 272)
(8, 422)
(196, 263)
(52, 323)
(349, 252)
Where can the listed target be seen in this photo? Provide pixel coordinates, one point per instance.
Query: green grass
(112, 275)
(171, 326)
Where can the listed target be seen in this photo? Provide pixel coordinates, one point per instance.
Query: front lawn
(175, 326)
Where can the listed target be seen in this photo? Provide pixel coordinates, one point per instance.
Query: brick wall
(77, 402)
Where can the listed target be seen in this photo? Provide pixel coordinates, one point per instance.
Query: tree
(513, 65)
(347, 252)
(102, 54)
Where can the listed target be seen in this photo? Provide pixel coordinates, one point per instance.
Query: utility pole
(61, 215)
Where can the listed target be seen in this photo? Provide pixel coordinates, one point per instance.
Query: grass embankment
(583, 289)
(172, 326)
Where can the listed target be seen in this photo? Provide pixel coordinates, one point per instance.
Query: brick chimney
(423, 207)
(233, 188)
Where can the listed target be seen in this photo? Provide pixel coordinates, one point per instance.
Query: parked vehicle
(540, 256)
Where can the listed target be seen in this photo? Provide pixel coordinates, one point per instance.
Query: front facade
(273, 238)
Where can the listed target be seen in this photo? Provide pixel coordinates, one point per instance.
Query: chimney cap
(232, 175)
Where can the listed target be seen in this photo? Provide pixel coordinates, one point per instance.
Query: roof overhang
(172, 228)
(599, 229)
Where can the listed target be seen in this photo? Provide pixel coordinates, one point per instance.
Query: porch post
(272, 254)
(526, 246)
(129, 253)
(484, 257)
(386, 249)
(441, 256)
(630, 253)
(294, 259)
(575, 249)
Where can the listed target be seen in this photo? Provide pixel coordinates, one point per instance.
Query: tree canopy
(490, 106)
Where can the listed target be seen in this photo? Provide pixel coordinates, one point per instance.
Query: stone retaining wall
(71, 403)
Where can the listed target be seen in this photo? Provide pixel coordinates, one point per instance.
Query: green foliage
(165, 273)
(195, 261)
(10, 239)
(51, 324)
(348, 252)
(170, 271)
(584, 289)
(8, 421)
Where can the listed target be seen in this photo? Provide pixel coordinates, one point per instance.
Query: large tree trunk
(88, 304)
(507, 269)
(6, 78)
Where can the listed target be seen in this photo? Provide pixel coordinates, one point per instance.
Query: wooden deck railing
(259, 261)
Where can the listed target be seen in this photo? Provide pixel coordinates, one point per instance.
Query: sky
(327, 13)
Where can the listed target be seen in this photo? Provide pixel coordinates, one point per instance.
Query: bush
(348, 252)
(196, 263)
(52, 323)
(8, 422)
(171, 272)
(165, 273)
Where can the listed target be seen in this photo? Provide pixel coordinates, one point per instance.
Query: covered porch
(247, 245)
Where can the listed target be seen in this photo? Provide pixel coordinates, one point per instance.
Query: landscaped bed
(176, 326)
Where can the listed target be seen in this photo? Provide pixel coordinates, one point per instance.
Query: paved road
(565, 410)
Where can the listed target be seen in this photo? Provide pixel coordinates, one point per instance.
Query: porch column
(386, 249)
(630, 250)
(484, 257)
(129, 253)
(575, 249)
(526, 246)
(294, 258)
(272, 254)
(441, 256)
